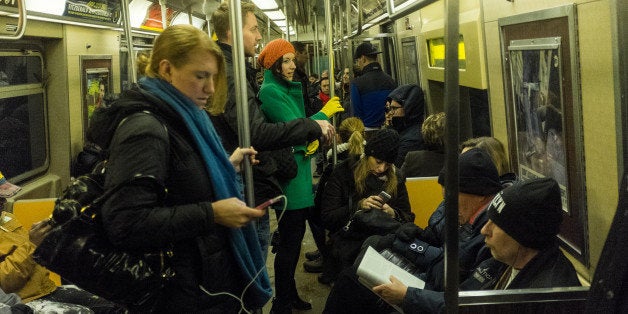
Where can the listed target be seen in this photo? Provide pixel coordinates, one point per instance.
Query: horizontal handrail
(466, 298)
(21, 22)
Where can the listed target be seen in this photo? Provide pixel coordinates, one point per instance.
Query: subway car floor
(308, 286)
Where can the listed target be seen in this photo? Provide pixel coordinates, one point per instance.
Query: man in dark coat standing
(369, 90)
(265, 137)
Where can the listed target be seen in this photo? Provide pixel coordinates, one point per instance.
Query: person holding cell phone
(367, 182)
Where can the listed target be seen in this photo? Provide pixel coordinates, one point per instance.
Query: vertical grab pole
(132, 76)
(164, 14)
(241, 95)
(207, 18)
(332, 78)
(285, 11)
(317, 66)
(451, 150)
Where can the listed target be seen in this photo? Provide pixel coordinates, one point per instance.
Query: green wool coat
(282, 101)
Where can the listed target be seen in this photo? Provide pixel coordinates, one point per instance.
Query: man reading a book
(524, 220)
(478, 183)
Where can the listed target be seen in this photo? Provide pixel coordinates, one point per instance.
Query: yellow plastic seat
(424, 194)
(30, 211)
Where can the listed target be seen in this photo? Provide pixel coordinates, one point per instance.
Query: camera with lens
(81, 192)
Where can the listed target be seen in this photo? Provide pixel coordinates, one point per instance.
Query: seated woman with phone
(369, 183)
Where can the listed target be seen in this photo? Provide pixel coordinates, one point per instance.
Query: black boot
(300, 304)
(315, 266)
(280, 307)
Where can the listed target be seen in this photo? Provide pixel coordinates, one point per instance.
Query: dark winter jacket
(340, 198)
(549, 268)
(368, 95)
(265, 137)
(136, 218)
(340, 201)
(423, 163)
(427, 251)
(411, 98)
(311, 107)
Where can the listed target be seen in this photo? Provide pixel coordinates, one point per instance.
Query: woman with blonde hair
(351, 135)
(429, 161)
(357, 185)
(190, 199)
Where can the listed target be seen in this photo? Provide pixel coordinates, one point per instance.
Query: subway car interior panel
(547, 79)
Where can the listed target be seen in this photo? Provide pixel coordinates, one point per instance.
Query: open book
(376, 269)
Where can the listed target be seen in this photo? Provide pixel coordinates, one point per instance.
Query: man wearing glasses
(405, 112)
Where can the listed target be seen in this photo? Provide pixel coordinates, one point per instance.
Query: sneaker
(310, 256)
(315, 266)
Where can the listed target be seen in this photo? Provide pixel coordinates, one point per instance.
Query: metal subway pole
(332, 78)
(132, 76)
(451, 151)
(267, 29)
(317, 66)
(241, 95)
(285, 11)
(207, 18)
(164, 14)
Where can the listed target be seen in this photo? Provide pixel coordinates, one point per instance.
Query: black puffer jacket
(136, 220)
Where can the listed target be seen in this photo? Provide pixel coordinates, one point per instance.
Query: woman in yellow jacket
(21, 275)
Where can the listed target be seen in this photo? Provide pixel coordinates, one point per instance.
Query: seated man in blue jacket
(478, 183)
(524, 220)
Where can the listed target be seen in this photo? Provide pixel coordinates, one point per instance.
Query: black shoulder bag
(365, 223)
(79, 251)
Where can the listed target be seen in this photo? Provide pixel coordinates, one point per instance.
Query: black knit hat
(383, 145)
(477, 173)
(529, 211)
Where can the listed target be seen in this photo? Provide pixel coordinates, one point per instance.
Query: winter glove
(408, 232)
(332, 107)
(418, 252)
(311, 148)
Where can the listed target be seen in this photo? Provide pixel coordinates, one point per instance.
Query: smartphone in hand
(385, 197)
(269, 202)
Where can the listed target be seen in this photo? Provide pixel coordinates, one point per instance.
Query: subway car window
(23, 144)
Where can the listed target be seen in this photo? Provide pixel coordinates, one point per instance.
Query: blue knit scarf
(244, 241)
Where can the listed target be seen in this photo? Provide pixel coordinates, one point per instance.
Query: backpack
(88, 169)
(102, 125)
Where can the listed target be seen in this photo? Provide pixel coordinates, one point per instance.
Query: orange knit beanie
(274, 50)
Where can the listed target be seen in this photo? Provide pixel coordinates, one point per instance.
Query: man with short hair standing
(265, 136)
(369, 90)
